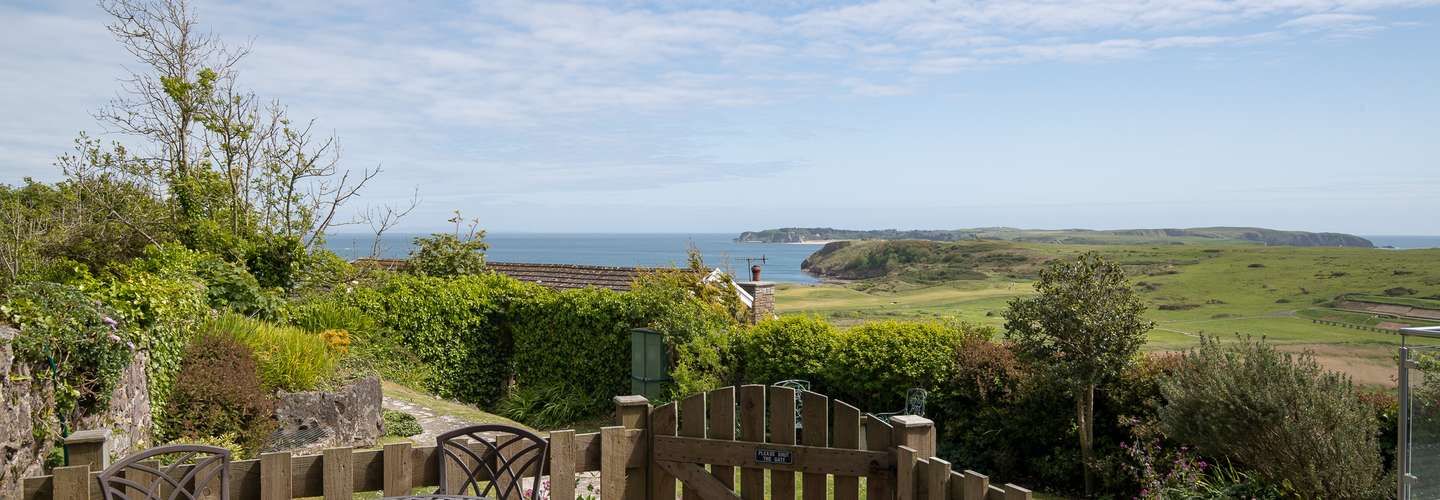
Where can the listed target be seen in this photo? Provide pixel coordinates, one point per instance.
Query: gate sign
(765, 456)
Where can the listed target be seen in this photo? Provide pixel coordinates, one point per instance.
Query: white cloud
(563, 76)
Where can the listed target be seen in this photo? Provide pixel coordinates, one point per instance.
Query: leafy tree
(450, 254)
(1084, 327)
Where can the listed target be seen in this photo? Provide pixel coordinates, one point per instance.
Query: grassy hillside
(1192, 289)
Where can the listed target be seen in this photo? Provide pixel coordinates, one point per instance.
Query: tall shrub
(577, 341)
(1280, 414)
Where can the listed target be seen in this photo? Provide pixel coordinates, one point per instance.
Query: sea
(1403, 242)
(781, 261)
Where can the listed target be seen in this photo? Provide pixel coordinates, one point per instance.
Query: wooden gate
(755, 429)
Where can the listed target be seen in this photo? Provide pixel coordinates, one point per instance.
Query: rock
(20, 457)
(314, 420)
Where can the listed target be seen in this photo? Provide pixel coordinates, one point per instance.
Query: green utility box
(649, 363)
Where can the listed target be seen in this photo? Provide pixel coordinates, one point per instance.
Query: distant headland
(1252, 235)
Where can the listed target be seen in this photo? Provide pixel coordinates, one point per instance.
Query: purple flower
(109, 321)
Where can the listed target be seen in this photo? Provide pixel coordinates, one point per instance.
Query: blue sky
(695, 116)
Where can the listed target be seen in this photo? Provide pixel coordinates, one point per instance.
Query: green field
(1274, 291)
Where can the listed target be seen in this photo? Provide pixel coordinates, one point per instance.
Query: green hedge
(471, 336)
(458, 328)
(578, 341)
(792, 347)
(870, 366)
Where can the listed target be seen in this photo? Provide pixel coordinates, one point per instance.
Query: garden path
(433, 422)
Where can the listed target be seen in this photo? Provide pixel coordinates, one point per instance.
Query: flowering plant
(1162, 473)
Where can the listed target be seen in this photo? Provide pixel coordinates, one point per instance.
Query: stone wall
(26, 394)
(314, 420)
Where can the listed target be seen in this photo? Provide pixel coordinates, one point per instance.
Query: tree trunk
(1084, 417)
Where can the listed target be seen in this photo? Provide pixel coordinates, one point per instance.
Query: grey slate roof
(558, 276)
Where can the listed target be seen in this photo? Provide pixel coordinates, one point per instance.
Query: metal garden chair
(194, 472)
(494, 461)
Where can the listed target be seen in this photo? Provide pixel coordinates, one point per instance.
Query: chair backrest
(493, 460)
(194, 472)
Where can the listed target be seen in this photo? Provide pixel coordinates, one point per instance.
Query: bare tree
(384, 218)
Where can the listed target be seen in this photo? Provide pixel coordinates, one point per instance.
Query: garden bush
(288, 358)
(704, 363)
(400, 424)
(792, 347)
(228, 285)
(218, 395)
(1283, 416)
(445, 254)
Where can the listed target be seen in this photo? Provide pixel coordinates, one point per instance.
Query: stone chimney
(764, 293)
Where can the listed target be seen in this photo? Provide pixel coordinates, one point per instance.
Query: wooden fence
(643, 457)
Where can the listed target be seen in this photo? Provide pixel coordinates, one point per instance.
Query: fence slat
(937, 477)
(692, 424)
(662, 423)
(752, 428)
(397, 468)
(782, 431)
(562, 464)
(814, 431)
(1013, 492)
(847, 436)
(906, 459)
(633, 412)
(613, 456)
(878, 435)
(976, 485)
(722, 427)
(339, 478)
(72, 483)
(275, 478)
(144, 478)
(957, 486)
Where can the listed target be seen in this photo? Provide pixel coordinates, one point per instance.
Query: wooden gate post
(633, 412)
(89, 447)
(916, 432)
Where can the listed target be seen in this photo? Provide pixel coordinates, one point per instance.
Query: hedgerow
(457, 328)
(791, 347)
